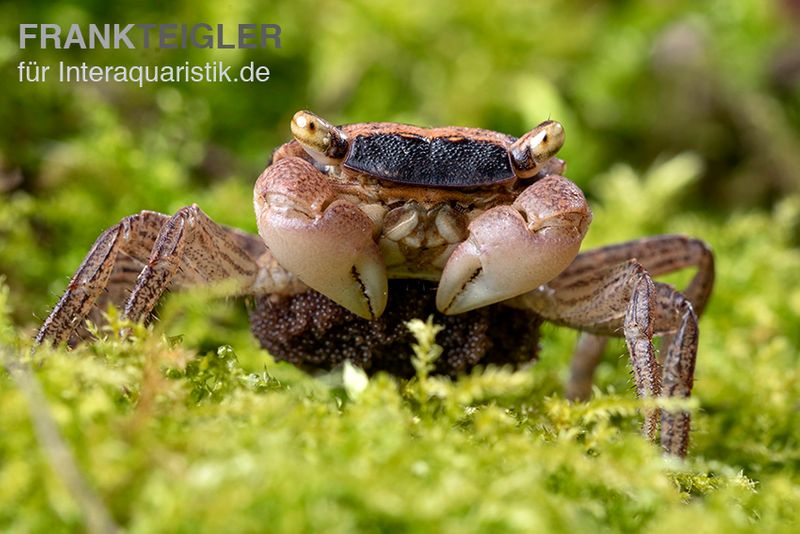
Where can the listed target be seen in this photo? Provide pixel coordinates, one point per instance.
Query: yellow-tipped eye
(530, 151)
(547, 140)
(323, 141)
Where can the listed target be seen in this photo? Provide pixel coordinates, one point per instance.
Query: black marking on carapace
(430, 161)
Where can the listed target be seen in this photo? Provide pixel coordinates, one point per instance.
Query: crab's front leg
(514, 249)
(134, 262)
(107, 274)
(327, 241)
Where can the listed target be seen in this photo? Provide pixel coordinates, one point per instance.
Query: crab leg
(625, 298)
(116, 255)
(514, 249)
(678, 371)
(659, 255)
(152, 252)
(327, 241)
(585, 359)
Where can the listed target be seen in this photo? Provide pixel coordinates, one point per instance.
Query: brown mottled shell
(433, 157)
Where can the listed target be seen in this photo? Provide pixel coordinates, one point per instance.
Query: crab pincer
(513, 249)
(326, 241)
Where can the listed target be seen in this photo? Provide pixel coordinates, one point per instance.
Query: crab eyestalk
(532, 150)
(322, 140)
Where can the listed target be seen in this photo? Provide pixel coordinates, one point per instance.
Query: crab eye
(535, 148)
(309, 129)
(322, 140)
(300, 119)
(548, 141)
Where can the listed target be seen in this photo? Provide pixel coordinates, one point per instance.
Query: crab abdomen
(443, 157)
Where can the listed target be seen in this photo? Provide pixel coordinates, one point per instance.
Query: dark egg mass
(312, 331)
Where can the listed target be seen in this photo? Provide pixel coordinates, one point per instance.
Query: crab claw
(327, 243)
(514, 249)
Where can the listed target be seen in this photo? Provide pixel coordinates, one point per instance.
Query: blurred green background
(632, 81)
(681, 116)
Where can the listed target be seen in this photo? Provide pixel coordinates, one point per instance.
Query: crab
(365, 226)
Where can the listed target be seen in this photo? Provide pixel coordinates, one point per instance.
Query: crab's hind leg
(624, 300)
(135, 261)
(658, 255)
(585, 359)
